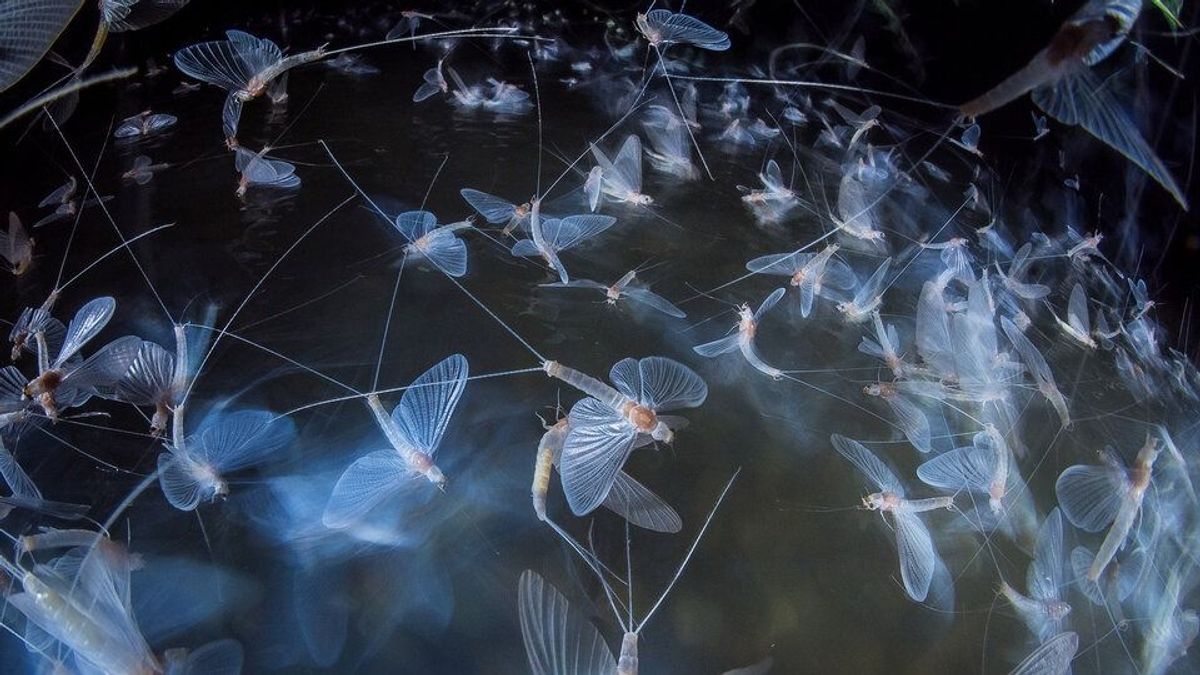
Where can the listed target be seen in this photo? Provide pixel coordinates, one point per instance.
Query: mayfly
(621, 178)
(884, 347)
(624, 288)
(668, 151)
(969, 140)
(551, 236)
(143, 170)
(627, 498)
(810, 273)
(194, 468)
(144, 124)
(918, 557)
(16, 247)
(498, 211)
(434, 83)
(743, 334)
(982, 467)
(1044, 609)
(1018, 267)
(608, 424)
(437, 243)
(774, 190)
(867, 298)
(1064, 86)
(1036, 364)
(854, 207)
(257, 169)
(66, 202)
(32, 321)
(1078, 325)
(159, 378)
(591, 187)
(1118, 580)
(662, 28)
(1095, 497)
(246, 67)
(119, 16)
(66, 382)
(414, 429)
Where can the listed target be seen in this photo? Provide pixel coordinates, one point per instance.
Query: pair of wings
(127, 15)
(558, 640)
(422, 416)
(638, 294)
(600, 439)
(622, 175)
(918, 559)
(732, 341)
(434, 83)
(560, 234)
(225, 442)
(230, 63)
(440, 246)
(258, 169)
(144, 125)
(819, 269)
(1090, 495)
(87, 323)
(1052, 657)
(673, 27)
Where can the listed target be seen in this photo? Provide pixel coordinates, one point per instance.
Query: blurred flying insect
(16, 246)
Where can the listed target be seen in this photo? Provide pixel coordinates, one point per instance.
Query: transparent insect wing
(415, 224)
(684, 29)
(866, 462)
(1082, 99)
(1077, 311)
(19, 483)
(873, 285)
(1052, 657)
(149, 377)
(773, 178)
(558, 641)
(597, 446)
(917, 556)
(229, 441)
(628, 164)
(12, 389)
(447, 252)
(1090, 495)
(911, 420)
(783, 264)
(426, 406)
(1044, 577)
(257, 169)
(561, 234)
(88, 322)
(495, 210)
(129, 128)
(970, 138)
(768, 304)
(591, 187)
(368, 482)
(666, 384)
(727, 344)
(230, 63)
(640, 506)
(655, 301)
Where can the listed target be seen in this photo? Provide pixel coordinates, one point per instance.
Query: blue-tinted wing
(558, 641)
(494, 209)
(415, 224)
(27, 30)
(230, 441)
(88, 321)
(867, 463)
(426, 406)
(597, 446)
(674, 27)
(561, 234)
(366, 483)
(667, 384)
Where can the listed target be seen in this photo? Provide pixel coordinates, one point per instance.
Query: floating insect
(144, 124)
(16, 246)
(743, 334)
(810, 273)
(624, 288)
(436, 243)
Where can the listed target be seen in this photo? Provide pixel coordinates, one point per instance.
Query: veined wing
(659, 383)
(640, 506)
(415, 224)
(866, 461)
(1044, 578)
(367, 483)
(596, 448)
(1053, 657)
(967, 467)
(684, 29)
(562, 234)
(557, 640)
(628, 164)
(783, 264)
(917, 556)
(88, 321)
(1090, 495)
(149, 378)
(771, 300)
(426, 406)
(1077, 311)
(234, 440)
(27, 30)
(447, 252)
(651, 299)
(724, 345)
(495, 210)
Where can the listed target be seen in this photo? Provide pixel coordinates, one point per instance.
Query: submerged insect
(743, 334)
(16, 246)
(195, 468)
(624, 288)
(436, 243)
(414, 429)
(606, 426)
(1095, 497)
(918, 557)
(144, 124)
(621, 178)
(143, 170)
(810, 273)
(257, 169)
